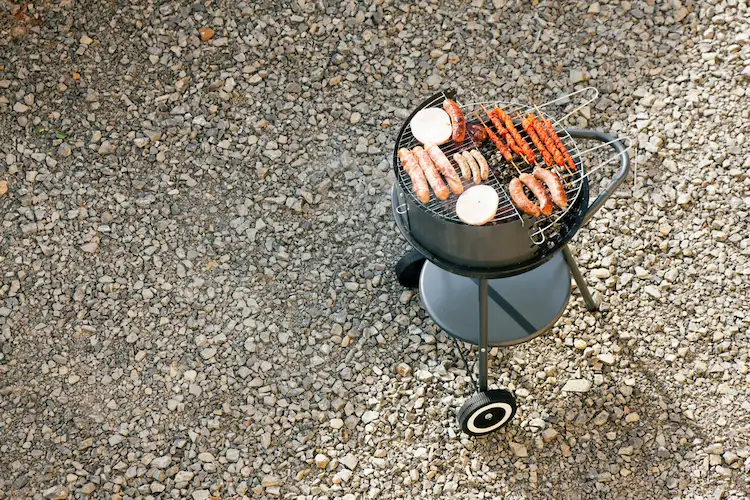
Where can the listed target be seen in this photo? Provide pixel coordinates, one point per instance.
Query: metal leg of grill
(580, 281)
(483, 335)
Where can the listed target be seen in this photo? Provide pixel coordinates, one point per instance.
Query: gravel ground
(196, 249)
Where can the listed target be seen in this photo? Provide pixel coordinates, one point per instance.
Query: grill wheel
(408, 269)
(487, 411)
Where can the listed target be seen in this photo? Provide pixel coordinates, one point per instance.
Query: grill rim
(507, 211)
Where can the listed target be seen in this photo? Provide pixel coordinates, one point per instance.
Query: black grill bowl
(498, 249)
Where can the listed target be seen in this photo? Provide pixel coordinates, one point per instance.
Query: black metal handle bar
(618, 179)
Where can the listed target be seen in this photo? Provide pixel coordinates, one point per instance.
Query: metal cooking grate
(501, 171)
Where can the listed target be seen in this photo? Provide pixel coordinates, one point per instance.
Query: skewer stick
(516, 167)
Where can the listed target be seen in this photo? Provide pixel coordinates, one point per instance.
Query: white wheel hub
(473, 422)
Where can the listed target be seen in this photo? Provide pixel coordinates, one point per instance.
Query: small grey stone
(90, 247)
(370, 416)
(56, 493)
(577, 385)
(161, 462)
(349, 461)
(601, 418)
(519, 450)
(578, 76)
(184, 476)
(208, 352)
(606, 358)
(64, 150)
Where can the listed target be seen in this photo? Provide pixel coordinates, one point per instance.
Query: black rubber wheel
(486, 412)
(408, 269)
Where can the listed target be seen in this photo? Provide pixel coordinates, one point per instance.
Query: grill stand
(532, 300)
(580, 280)
(483, 334)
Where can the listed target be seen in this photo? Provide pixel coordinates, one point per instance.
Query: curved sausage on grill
(418, 181)
(545, 203)
(474, 166)
(444, 166)
(484, 168)
(554, 185)
(465, 170)
(458, 120)
(520, 199)
(431, 173)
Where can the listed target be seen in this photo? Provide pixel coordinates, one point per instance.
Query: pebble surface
(196, 251)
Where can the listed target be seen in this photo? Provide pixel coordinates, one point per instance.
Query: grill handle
(618, 179)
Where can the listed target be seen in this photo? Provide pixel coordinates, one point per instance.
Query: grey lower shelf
(519, 307)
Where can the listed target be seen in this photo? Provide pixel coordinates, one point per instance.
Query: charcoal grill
(508, 281)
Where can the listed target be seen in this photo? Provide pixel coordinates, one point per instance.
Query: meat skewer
(528, 126)
(531, 182)
(474, 166)
(499, 144)
(554, 186)
(520, 199)
(431, 173)
(548, 142)
(558, 142)
(458, 120)
(484, 167)
(465, 170)
(418, 181)
(498, 123)
(527, 151)
(444, 166)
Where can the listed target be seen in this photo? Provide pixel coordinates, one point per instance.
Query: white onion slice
(477, 205)
(431, 125)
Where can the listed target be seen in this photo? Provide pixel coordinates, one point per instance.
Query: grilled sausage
(520, 199)
(465, 170)
(418, 181)
(458, 120)
(444, 166)
(477, 133)
(474, 166)
(431, 173)
(484, 168)
(545, 203)
(554, 185)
